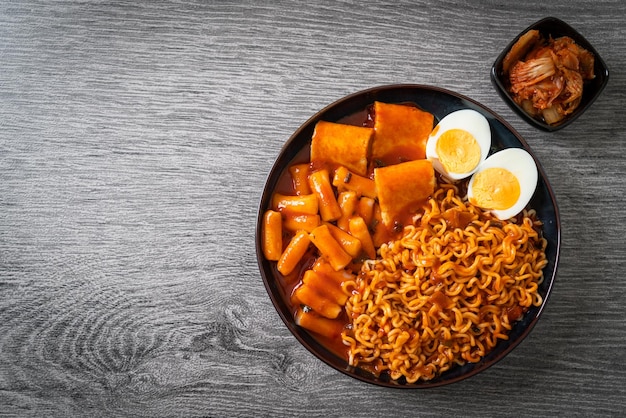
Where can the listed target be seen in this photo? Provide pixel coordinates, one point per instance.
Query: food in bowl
(546, 76)
(386, 261)
(546, 30)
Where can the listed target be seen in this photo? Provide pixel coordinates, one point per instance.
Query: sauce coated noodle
(444, 293)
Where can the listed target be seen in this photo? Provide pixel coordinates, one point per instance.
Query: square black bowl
(551, 26)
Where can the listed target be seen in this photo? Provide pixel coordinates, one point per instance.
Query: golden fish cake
(400, 133)
(338, 144)
(402, 187)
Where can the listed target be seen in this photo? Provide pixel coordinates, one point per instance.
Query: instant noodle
(445, 292)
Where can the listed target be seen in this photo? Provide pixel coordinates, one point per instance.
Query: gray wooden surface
(135, 139)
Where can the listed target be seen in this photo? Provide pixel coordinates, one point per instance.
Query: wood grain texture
(135, 139)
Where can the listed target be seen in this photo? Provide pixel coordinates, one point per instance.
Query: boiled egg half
(504, 183)
(459, 143)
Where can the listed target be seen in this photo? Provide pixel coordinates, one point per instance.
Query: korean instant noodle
(443, 294)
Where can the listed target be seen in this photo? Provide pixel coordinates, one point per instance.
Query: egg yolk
(458, 151)
(495, 188)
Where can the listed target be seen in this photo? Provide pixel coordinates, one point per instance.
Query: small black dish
(551, 26)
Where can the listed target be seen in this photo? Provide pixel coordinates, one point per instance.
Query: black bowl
(440, 102)
(591, 90)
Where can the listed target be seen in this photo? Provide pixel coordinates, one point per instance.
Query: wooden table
(135, 140)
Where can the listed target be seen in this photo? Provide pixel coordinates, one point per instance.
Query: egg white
(522, 165)
(468, 120)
